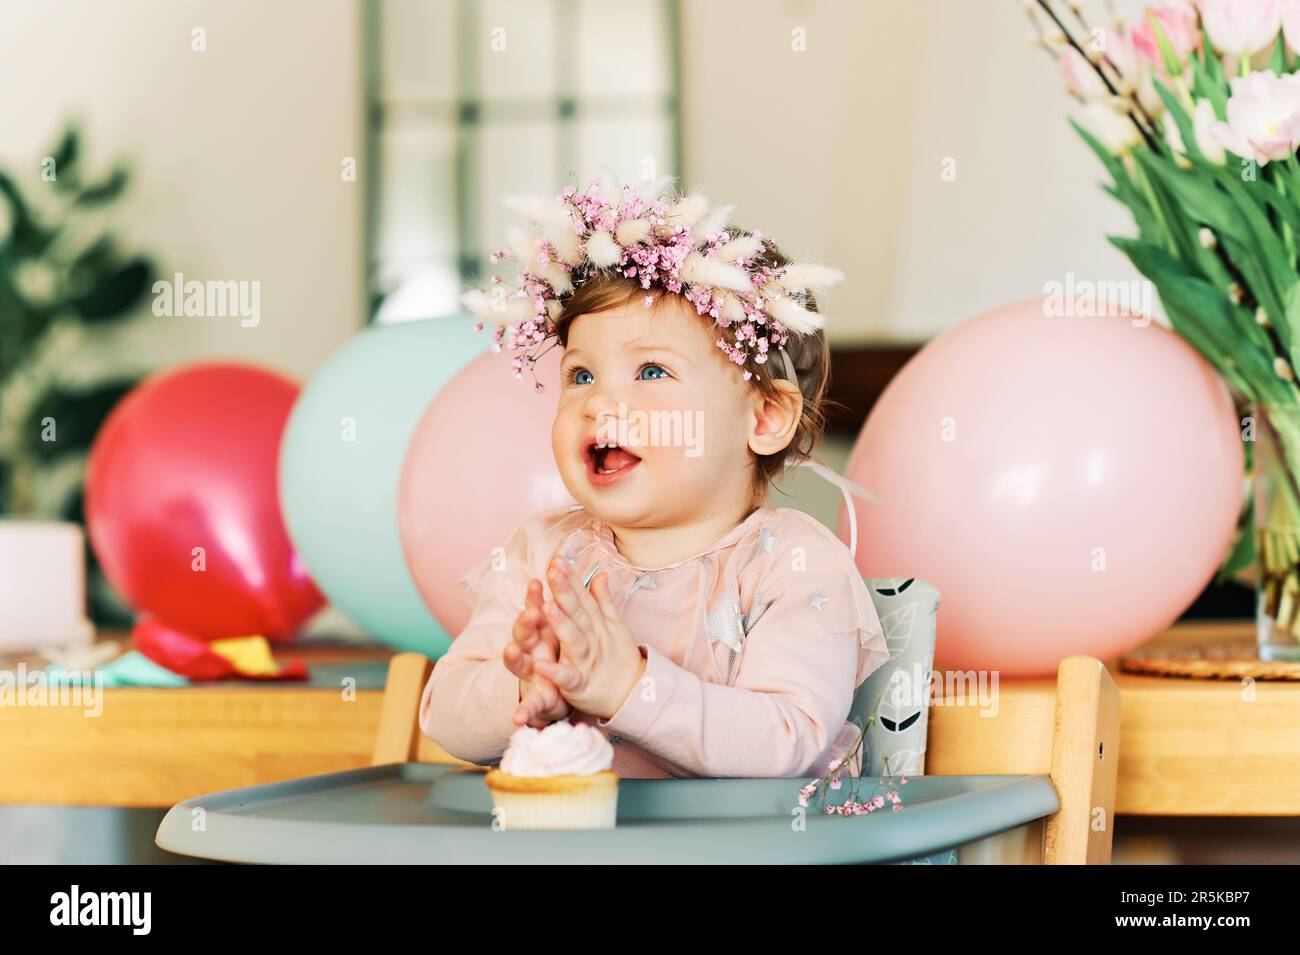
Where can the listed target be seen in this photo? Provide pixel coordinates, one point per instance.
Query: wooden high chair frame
(1069, 731)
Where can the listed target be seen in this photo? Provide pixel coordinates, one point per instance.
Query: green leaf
(1278, 63)
(1121, 186)
(1243, 553)
(1292, 319)
(1179, 291)
(1214, 197)
(27, 238)
(1205, 86)
(64, 421)
(1210, 323)
(1148, 227)
(66, 156)
(1110, 162)
(106, 191)
(115, 294)
(1198, 196)
(1275, 265)
(1213, 65)
(1167, 54)
(1283, 206)
(1186, 130)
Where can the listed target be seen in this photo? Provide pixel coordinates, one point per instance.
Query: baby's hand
(532, 639)
(600, 661)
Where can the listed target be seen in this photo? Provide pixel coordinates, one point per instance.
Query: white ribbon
(846, 487)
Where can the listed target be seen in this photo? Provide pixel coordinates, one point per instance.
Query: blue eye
(573, 376)
(648, 366)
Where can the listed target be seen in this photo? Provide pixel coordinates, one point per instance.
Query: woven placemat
(1217, 660)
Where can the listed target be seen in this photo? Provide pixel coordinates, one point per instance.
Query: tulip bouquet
(1194, 111)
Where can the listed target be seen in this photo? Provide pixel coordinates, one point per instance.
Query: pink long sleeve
(470, 697)
(790, 698)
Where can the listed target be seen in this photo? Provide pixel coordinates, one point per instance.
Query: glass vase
(1277, 530)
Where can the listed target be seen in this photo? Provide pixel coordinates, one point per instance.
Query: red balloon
(187, 655)
(182, 507)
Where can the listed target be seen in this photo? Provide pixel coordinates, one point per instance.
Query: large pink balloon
(1070, 485)
(182, 507)
(479, 463)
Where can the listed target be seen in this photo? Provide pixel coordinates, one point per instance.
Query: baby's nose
(603, 405)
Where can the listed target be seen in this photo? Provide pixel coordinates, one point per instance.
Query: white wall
(236, 152)
(837, 153)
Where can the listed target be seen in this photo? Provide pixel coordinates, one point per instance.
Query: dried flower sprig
(851, 763)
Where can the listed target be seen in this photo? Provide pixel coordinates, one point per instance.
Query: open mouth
(605, 461)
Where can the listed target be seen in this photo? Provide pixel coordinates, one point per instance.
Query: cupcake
(555, 778)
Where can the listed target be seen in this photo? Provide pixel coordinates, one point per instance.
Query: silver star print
(644, 581)
(724, 624)
(766, 539)
(567, 556)
(751, 618)
(817, 599)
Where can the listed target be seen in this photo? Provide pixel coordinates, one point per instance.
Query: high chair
(1029, 780)
(1079, 737)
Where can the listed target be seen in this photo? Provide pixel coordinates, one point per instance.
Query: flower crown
(678, 243)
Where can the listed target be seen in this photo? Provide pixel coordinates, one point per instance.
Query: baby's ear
(774, 420)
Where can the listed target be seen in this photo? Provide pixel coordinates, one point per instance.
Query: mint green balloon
(340, 461)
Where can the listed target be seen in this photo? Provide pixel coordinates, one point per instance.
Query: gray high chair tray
(432, 813)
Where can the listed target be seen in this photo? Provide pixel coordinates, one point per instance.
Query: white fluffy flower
(1116, 131)
(603, 250)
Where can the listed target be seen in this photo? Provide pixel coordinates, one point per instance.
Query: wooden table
(155, 747)
(1188, 747)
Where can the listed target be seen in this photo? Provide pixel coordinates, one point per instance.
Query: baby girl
(705, 632)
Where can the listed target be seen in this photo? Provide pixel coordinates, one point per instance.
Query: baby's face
(653, 382)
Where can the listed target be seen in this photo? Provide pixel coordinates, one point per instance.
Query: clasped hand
(572, 652)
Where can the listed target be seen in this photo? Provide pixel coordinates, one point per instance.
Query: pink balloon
(1070, 485)
(480, 461)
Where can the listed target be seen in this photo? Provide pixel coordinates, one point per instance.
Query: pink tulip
(1123, 55)
(1241, 27)
(1263, 117)
(1291, 24)
(1177, 19)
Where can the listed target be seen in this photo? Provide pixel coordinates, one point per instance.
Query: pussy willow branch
(1135, 107)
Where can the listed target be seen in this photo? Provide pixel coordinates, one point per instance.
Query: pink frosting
(561, 749)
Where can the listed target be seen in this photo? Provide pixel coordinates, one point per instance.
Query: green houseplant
(65, 282)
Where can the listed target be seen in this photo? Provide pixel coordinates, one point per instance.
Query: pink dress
(754, 647)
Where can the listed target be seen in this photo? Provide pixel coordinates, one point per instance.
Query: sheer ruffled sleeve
(470, 698)
(813, 564)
